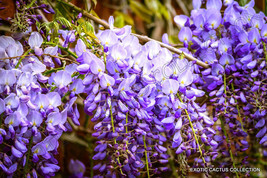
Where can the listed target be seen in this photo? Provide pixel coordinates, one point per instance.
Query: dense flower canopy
(141, 98)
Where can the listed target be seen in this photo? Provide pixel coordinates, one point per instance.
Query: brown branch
(62, 58)
(17, 57)
(140, 37)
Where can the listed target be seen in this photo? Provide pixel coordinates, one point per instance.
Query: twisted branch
(140, 37)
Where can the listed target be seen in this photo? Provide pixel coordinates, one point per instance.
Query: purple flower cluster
(76, 168)
(234, 46)
(34, 107)
(26, 15)
(141, 108)
(141, 97)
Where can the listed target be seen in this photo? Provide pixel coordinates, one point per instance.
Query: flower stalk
(26, 167)
(228, 143)
(194, 132)
(147, 166)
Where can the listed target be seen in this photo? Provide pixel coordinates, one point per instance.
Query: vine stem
(126, 128)
(224, 82)
(1, 119)
(194, 132)
(265, 51)
(171, 160)
(228, 142)
(140, 37)
(147, 167)
(237, 107)
(61, 47)
(22, 57)
(28, 55)
(113, 130)
(28, 156)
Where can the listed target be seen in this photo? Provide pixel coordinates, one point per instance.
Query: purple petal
(41, 101)
(254, 36)
(168, 120)
(2, 106)
(186, 78)
(252, 64)
(185, 35)
(260, 123)
(83, 68)
(170, 86)
(263, 140)
(97, 66)
(51, 50)
(80, 47)
(180, 20)
(35, 118)
(21, 146)
(77, 86)
(106, 81)
(261, 132)
(16, 152)
(214, 4)
(35, 40)
(197, 4)
(13, 120)
(242, 97)
(54, 99)
(62, 78)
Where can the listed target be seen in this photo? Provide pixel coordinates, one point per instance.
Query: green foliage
(122, 19)
(63, 10)
(94, 2)
(87, 28)
(46, 25)
(119, 21)
(19, 22)
(164, 11)
(63, 21)
(243, 2)
(173, 39)
(142, 11)
(158, 9)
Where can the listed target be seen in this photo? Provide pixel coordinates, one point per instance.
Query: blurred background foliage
(148, 17)
(152, 18)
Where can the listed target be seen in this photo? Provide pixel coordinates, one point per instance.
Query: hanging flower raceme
(235, 49)
(140, 99)
(34, 107)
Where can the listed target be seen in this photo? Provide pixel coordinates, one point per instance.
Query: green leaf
(127, 19)
(173, 39)
(54, 26)
(119, 21)
(164, 11)
(89, 28)
(152, 5)
(243, 2)
(79, 29)
(63, 10)
(142, 11)
(46, 25)
(31, 4)
(63, 21)
(94, 2)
